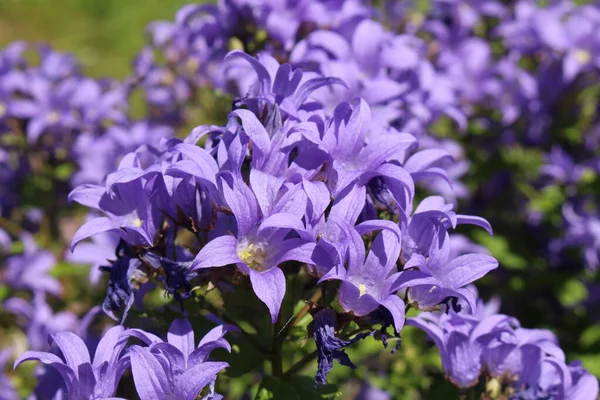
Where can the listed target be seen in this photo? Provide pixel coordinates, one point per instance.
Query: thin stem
(299, 366)
(314, 298)
(276, 357)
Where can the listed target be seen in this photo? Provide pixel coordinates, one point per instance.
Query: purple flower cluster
(161, 370)
(519, 363)
(61, 116)
(284, 181)
(339, 166)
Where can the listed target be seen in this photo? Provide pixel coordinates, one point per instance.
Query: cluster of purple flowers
(333, 168)
(171, 369)
(519, 363)
(439, 69)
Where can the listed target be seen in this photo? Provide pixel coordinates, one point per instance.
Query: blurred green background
(103, 34)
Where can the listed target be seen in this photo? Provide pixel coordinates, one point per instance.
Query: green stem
(314, 298)
(299, 366)
(276, 357)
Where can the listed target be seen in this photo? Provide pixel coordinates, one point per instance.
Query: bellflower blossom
(38, 320)
(461, 341)
(530, 358)
(127, 204)
(260, 245)
(30, 270)
(85, 379)
(369, 280)
(582, 231)
(174, 369)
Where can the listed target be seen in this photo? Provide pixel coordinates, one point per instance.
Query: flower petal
(151, 381)
(217, 253)
(181, 335)
(93, 227)
(269, 287)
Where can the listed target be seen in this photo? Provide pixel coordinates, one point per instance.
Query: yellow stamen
(362, 289)
(137, 222)
(583, 56)
(252, 254)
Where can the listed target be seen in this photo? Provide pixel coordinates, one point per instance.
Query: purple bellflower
(86, 379)
(175, 369)
(278, 84)
(30, 270)
(429, 225)
(127, 204)
(369, 280)
(461, 340)
(39, 320)
(442, 278)
(264, 218)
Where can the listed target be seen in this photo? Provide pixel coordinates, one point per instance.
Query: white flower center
(253, 254)
(53, 117)
(582, 56)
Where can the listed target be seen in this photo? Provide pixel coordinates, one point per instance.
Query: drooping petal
(473, 220)
(93, 227)
(87, 195)
(395, 306)
(52, 360)
(269, 287)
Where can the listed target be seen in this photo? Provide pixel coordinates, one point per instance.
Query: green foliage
(500, 248)
(296, 388)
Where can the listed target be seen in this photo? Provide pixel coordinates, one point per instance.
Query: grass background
(104, 35)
